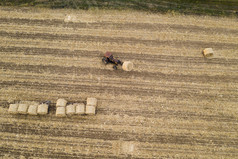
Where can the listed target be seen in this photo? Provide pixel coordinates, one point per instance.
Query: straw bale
(208, 52)
(42, 109)
(61, 102)
(70, 109)
(92, 101)
(32, 110)
(90, 110)
(60, 111)
(128, 147)
(80, 108)
(13, 108)
(127, 66)
(22, 108)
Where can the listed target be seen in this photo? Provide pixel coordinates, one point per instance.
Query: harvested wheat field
(174, 103)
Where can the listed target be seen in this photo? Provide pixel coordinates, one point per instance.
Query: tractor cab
(108, 58)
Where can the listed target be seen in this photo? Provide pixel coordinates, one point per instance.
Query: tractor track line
(146, 114)
(121, 26)
(174, 150)
(167, 150)
(55, 140)
(143, 57)
(122, 40)
(40, 152)
(135, 89)
(115, 123)
(24, 77)
(61, 70)
(113, 135)
(74, 88)
(157, 66)
(58, 142)
(62, 142)
(178, 127)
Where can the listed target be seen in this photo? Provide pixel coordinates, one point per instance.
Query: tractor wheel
(105, 60)
(115, 67)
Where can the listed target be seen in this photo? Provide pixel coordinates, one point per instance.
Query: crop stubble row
(131, 41)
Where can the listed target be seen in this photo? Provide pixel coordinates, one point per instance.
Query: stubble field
(174, 104)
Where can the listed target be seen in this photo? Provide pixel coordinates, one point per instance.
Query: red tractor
(108, 58)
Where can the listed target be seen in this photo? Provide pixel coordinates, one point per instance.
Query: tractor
(108, 58)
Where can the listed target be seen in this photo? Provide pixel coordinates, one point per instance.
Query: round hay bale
(60, 112)
(22, 108)
(127, 66)
(61, 102)
(80, 108)
(13, 108)
(70, 109)
(42, 109)
(208, 52)
(32, 110)
(92, 101)
(90, 110)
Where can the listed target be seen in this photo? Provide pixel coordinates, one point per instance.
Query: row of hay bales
(27, 107)
(62, 108)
